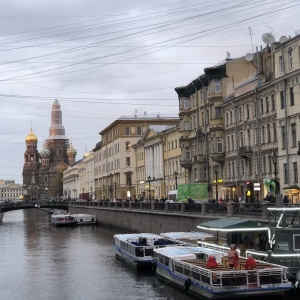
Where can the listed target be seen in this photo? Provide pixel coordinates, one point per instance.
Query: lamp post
(275, 171)
(149, 181)
(216, 170)
(83, 193)
(103, 189)
(130, 190)
(91, 193)
(115, 184)
(175, 176)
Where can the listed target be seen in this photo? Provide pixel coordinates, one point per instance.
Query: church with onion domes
(43, 171)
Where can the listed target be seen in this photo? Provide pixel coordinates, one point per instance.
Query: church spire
(57, 130)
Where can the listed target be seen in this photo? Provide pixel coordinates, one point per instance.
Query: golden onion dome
(31, 137)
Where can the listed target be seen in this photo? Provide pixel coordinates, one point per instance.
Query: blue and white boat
(185, 267)
(136, 249)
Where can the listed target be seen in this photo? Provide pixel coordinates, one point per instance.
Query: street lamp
(115, 184)
(216, 170)
(91, 193)
(275, 171)
(103, 189)
(175, 176)
(149, 181)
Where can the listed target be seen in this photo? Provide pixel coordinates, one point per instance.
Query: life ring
(187, 284)
(154, 266)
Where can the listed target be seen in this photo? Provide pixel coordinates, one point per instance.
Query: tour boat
(63, 220)
(186, 268)
(85, 219)
(276, 242)
(136, 249)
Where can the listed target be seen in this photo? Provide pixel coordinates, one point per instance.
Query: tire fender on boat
(154, 266)
(297, 280)
(187, 284)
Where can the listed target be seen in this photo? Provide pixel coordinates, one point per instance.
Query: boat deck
(224, 266)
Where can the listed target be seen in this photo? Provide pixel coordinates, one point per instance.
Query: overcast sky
(103, 59)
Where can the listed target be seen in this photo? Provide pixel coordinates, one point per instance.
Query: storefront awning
(292, 187)
(229, 225)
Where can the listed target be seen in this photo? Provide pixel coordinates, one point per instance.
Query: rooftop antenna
(250, 33)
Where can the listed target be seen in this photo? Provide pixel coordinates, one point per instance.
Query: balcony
(200, 158)
(186, 163)
(218, 157)
(246, 151)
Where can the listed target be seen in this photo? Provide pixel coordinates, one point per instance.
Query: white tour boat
(136, 249)
(64, 220)
(277, 242)
(85, 219)
(186, 268)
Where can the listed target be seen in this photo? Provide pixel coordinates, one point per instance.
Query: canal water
(38, 261)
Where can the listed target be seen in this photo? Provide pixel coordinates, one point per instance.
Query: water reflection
(39, 261)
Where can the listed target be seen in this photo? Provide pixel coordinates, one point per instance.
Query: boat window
(200, 255)
(296, 242)
(166, 261)
(143, 241)
(148, 252)
(282, 242)
(196, 275)
(179, 269)
(139, 251)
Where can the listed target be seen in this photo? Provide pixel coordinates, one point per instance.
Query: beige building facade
(115, 160)
(158, 166)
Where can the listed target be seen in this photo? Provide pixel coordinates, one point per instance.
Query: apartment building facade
(115, 161)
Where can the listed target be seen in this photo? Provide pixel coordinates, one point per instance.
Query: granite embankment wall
(142, 221)
(145, 221)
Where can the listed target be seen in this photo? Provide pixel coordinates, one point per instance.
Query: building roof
(161, 128)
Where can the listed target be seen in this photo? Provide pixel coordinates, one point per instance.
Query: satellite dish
(249, 56)
(283, 39)
(268, 38)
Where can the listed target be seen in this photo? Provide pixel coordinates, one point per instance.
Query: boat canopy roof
(185, 252)
(233, 225)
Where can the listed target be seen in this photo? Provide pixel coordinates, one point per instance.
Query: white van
(172, 196)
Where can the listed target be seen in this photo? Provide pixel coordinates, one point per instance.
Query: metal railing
(257, 210)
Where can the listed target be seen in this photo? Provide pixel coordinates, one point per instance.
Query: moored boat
(136, 249)
(276, 242)
(186, 268)
(63, 220)
(85, 219)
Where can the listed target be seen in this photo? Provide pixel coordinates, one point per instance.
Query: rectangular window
(283, 137)
(268, 133)
(241, 139)
(127, 147)
(187, 125)
(186, 103)
(127, 130)
(285, 173)
(281, 64)
(292, 96)
(247, 111)
(127, 161)
(274, 132)
(217, 86)
(218, 112)
(232, 142)
(227, 119)
(295, 169)
(219, 145)
(282, 100)
(138, 130)
(263, 134)
(261, 106)
(264, 165)
(267, 105)
(291, 59)
(228, 143)
(240, 114)
(231, 118)
(293, 132)
(187, 153)
(273, 102)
